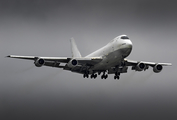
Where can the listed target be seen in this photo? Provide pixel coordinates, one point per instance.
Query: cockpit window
(124, 37)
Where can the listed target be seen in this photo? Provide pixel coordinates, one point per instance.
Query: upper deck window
(124, 37)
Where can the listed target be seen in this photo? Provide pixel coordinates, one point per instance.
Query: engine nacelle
(157, 68)
(39, 62)
(72, 63)
(140, 66)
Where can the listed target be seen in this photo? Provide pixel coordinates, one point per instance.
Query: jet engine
(39, 62)
(140, 66)
(157, 68)
(72, 63)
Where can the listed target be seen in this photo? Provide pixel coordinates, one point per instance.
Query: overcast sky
(43, 28)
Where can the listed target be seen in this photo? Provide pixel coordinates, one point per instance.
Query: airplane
(110, 59)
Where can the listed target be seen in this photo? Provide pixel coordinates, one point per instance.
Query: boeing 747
(110, 59)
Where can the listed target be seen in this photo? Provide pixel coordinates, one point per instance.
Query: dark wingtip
(8, 56)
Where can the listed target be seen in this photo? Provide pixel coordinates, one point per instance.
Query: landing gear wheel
(91, 76)
(85, 76)
(95, 76)
(104, 76)
(116, 77)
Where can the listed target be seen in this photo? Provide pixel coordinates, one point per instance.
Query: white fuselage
(113, 53)
(109, 59)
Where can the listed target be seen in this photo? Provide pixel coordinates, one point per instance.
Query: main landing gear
(117, 75)
(85, 76)
(93, 76)
(104, 76)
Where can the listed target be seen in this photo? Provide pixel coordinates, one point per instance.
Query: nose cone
(128, 44)
(126, 48)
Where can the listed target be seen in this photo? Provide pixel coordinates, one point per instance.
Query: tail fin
(75, 51)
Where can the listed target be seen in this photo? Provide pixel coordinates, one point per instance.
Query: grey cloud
(45, 27)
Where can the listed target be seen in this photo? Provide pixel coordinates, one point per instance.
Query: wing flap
(57, 59)
(53, 64)
(89, 60)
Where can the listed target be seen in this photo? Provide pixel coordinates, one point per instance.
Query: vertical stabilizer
(75, 51)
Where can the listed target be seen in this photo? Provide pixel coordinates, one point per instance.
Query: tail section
(75, 51)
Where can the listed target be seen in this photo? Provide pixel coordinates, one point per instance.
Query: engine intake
(72, 63)
(157, 68)
(39, 62)
(140, 66)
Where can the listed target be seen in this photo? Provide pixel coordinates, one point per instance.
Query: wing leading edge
(46, 61)
(152, 64)
(55, 61)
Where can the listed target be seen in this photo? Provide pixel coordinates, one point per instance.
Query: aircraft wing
(49, 61)
(142, 65)
(152, 64)
(59, 59)
(83, 64)
(138, 66)
(55, 61)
